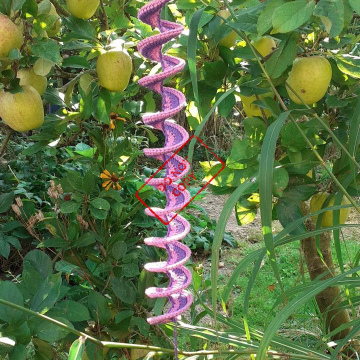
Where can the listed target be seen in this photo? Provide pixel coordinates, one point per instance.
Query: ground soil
(213, 205)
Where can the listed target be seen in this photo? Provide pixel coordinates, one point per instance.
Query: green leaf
(10, 292)
(80, 29)
(295, 305)
(349, 65)
(280, 181)
(191, 52)
(43, 66)
(77, 349)
(242, 151)
(85, 82)
(73, 310)
(33, 149)
(5, 7)
(43, 350)
(331, 13)
(47, 294)
(291, 138)
(245, 211)
(150, 102)
(264, 22)
(124, 290)
(219, 236)
(226, 105)
(30, 7)
(4, 248)
(100, 204)
(355, 5)
(142, 324)
(37, 267)
(48, 49)
(287, 211)
(6, 201)
(17, 4)
(291, 15)
(122, 315)
(246, 20)
(85, 240)
(69, 94)
(14, 54)
(74, 179)
(49, 331)
(69, 207)
(19, 353)
(98, 214)
(204, 121)
(88, 182)
(283, 57)
(130, 269)
(214, 73)
(76, 62)
(266, 178)
(333, 102)
(103, 106)
(255, 128)
(118, 250)
(99, 308)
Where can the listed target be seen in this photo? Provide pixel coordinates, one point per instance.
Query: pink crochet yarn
(175, 136)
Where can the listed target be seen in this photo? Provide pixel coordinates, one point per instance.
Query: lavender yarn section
(175, 136)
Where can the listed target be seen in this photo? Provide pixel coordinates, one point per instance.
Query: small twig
(106, 19)
(262, 112)
(59, 8)
(9, 131)
(76, 78)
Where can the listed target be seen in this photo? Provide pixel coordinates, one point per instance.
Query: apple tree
(290, 81)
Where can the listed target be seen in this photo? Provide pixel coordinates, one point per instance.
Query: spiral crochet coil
(175, 137)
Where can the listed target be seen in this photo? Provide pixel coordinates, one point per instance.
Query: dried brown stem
(9, 131)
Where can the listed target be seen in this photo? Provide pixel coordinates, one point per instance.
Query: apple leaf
(43, 66)
(355, 5)
(264, 22)
(283, 56)
(48, 49)
(290, 16)
(331, 13)
(349, 65)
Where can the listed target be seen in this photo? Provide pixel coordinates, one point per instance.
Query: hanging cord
(175, 334)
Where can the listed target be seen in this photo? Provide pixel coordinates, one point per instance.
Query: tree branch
(106, 19)
(59, 8)
(9, 131)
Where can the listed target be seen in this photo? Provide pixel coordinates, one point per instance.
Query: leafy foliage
(68, 205)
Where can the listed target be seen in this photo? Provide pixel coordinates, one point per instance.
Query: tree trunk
(330, 298)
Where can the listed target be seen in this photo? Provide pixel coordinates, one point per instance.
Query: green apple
(265, 45)
(230, 39)
(11, 36)
(22, 111)
(82, 9)
(316, 204)
(310, 78)
(53, 31)
(114, 69)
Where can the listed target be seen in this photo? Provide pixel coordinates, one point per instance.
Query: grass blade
(219, 234)
(292, 306)
(266, 169)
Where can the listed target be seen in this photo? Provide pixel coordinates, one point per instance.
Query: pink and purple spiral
(175, 137)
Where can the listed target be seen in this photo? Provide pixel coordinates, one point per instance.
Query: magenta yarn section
(175, 136)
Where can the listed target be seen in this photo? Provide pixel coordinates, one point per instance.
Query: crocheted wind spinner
(175, 137)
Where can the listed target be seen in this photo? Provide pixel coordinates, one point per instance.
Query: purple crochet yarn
(175, 136)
